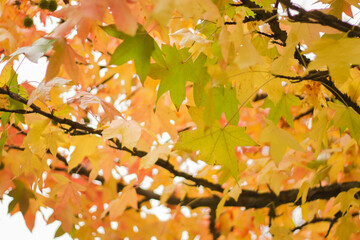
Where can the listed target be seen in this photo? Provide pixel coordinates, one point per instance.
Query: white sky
(14, 227)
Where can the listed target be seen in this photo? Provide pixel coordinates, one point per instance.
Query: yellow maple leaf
(127, 131)
(6, 74)
(247, 56)
(346, 227)
(347, 199)
(280, 233)
(279, 140)
(303, 192)
(53, 139)
(337, 54)
(149, 160)
(84, 146)
(319, 130)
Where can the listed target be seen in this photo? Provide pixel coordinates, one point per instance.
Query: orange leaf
(66, 56)
(117, 207)
(124, 20)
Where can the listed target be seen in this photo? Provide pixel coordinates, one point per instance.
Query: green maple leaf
(179, 68)
(21, 196)
(346, 117)
(216, 144)
(283, 108)
(226, 102)
(138, 48)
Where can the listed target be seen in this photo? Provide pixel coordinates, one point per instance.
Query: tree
(240, 117)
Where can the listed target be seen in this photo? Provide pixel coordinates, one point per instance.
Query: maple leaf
(149, 58)
(226, 102)
(216, 145)
(279, 140)
(81, 15)
(346, 227)
(162, 11)
(7, 40)
(149, 160)
(196, 42)
(128, 132)
(84, 146)
(53, 140)
(66, 192)
(319, 130)
(303, 192)
(247, 55)
(44, 88)
(6, 74)
(36, 51)
(33, 139)
(283, 108)
(346, 117)
(124, 20)
(347, 199)
(21, 195)
(86, 98)
(280, 233)
(117, 207)
(138, 47)
(337, 54)
(178, 69)
(64, 55)
(105, 161)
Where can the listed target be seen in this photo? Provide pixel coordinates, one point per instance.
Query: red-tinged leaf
(6, 180)
(66, 216)
(106, 163)
(82, 16)
(42, 92)
(347, 10)
(110, 111)
(30, 216)
(66, 192)
(124, 20)
(64, 56)
(117, 207)
(140, 172)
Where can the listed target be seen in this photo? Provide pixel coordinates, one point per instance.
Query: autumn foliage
(236, 119)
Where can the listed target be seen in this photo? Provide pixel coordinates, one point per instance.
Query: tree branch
(135, 152)
(212, 223)
(38, 110)
(19, 111)
(319, 17)
(324, 78)
(269, 17)
(247, 199)
(332, 221)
